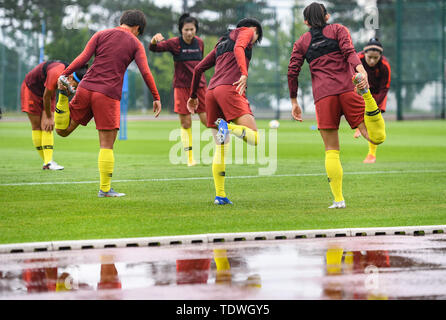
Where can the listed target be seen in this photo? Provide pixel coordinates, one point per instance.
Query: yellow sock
(334, 171)
(245, 133)
(223, 266)
(106, 163)
(221, 259)
(372, 149)
(37, 141)
(374, 120)
(47, 145)
(62, 115)
(186, 139)
(218, 169)
(334, 260)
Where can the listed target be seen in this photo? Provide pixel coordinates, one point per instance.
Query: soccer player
(38, 100)
(331, 55)
(225, 98)
(379, 77)
(187, 51)
(99, 92)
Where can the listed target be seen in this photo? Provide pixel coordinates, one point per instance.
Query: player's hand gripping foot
(370, 159)
(222, 201)
(223, 130)
(357, 79)
(52, 165)
(337, 205)
(109, 194)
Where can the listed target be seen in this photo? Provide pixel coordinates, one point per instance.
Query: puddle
(387, 267)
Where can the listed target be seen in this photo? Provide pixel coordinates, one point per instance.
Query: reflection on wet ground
(386, 267)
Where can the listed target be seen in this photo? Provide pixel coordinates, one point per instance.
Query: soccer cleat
(357, 134)
(357, 78)
(223, 130)
(222, 201)
(370, 159)
(337, 205)
(67, 84)
(111, 193)
(52, 165)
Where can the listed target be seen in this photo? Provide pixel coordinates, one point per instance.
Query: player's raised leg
(62, 115)
(373, 118)
(245, 128)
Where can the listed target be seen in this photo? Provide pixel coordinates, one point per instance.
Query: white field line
(228, 177)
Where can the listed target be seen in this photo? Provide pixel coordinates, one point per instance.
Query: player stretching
(38, 99)
(379, 75)
(331, 55)
(225, 98)
(99, 92)
(187, 51)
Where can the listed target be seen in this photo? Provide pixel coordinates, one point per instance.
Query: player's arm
(50, 89)
(205, 64)
(143, 66)
(243, 40)
(349, 53)
(83, 58)
(295, 65)
(47, 116)
(159, 44)
(384, 84)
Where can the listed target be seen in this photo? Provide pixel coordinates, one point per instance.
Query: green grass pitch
(407, 185)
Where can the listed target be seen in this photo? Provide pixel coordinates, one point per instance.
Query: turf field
(407, 185)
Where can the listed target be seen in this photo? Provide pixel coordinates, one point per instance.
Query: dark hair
(134, 18)
(250, 22)
(374, 45)
(315, 14)
(186, 18)
(80, 73)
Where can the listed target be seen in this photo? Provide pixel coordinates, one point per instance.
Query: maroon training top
(184, 68)
(230, 65)
(114, 50)
(36, 81)
(331, 73)
(379, 77)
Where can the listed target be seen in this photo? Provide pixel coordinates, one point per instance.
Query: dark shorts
(32, 103)
(181, 95)
(88, 104)
(330, 109)
(225, 102)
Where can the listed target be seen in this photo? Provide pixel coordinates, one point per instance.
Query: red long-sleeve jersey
(229, 66)
(114, 50)
(184, 69)
(331, 73)
(379, 77)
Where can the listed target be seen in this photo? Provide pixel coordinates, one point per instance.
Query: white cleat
(52, 165)
(338, 205)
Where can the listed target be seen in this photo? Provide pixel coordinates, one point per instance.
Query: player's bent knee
(377, 140)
